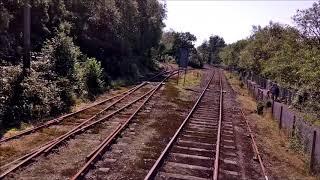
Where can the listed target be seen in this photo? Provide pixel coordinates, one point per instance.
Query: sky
(232, 20)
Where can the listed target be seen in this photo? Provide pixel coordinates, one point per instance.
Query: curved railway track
(204, 146)
(113, 109)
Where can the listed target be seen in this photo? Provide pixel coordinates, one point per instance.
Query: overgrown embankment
(78, 49)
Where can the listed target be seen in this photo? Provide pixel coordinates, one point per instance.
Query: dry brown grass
(281, 161)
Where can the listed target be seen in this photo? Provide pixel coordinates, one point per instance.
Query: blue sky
(232, 20)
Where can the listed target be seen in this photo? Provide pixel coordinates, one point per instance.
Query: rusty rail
(61, 118)
(59, 140)
(255, 147)
(127, 93)
(217, 156)
(98, 151)
(49, 146)
(153, 171)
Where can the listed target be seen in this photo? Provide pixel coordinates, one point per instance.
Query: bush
(93, 77)
(56, 77)
(63, 55)
(241, 84)
(90, 77)
(25, 98)
(269, 104)
(9, 76)
(260, 107)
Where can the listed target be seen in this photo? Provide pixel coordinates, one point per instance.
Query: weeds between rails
(49, 146)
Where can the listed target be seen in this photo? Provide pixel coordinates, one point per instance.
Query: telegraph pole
(26, 37)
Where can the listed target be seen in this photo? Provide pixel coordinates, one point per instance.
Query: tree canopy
(209, 50)
(285, 54)
(77, 47)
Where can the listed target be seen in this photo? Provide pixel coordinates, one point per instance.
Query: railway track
(204, 146)
(89, 109)
(115, 108)
(30, 140)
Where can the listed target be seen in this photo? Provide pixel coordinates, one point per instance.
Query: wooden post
(312, 158)
(289, 98)
(272, 108)
(185, 74)
(26, 37)
(178, 75)
(280, 121)
(293, 126)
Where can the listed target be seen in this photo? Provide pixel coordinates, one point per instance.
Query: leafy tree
(308, 21)
(93, 77)
(122, 38)
(283, 54)
(215, 44)
(230, 55)
(172, 42)
(209, 50)
(182, 40)
(204, 52)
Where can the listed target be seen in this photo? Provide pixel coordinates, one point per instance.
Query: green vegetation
(209, 50)
(285, 54)
(260, 106)
(172, 41)
(78, 48)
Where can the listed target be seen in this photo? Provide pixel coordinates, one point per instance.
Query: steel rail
(78, 126)
(62, 138)
(88, 120)
(160, 74)
(153, 171)
(217, 158)
(93, 123)
(59, 119)
(97, 152)
(59, 140)
(255, 147)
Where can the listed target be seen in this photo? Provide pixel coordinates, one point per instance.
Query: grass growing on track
(280, 159)
(193, 78)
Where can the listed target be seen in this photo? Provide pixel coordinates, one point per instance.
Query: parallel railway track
(113, 109)
(203, 147)
(92, 108)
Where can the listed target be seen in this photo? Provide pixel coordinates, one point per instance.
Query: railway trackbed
(91, 109)
(214, 141)
(87, 134)
(205, 145)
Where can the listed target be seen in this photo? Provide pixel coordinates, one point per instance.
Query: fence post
(272, 107)
(289, 98)
(293, 126)
(312, 159)
(280, 121)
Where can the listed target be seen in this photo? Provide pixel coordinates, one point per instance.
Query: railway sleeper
(164, 175)
(191, 159)
(198, 139)
(187, 169)
(193, 144)
(193, 151)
